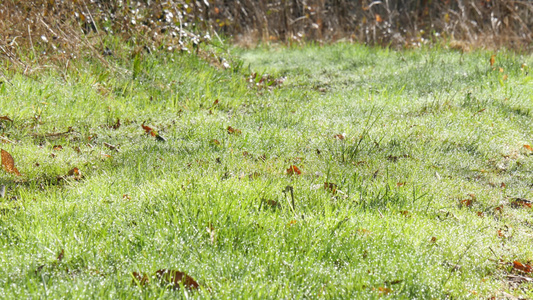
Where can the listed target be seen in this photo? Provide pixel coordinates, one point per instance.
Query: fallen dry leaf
(5, 118)
(57, 148)
(522, 267)
(111, 147)
(492, 59)
(116, 125)
(61, 255)
(293, 170)
(8, 163)
(520, 202)
(175, 278)
(528, 147)
(232, 130)
(330, 186)
(339, 136)
(272, 203)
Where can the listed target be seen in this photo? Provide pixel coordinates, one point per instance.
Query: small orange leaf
(215, 142)
(174, 278)
(339, 136)
(272, 203)
(330, 186)
(519, 202)
(126, 197)
(57, 148)
(292, 222)
(528, 147)
(379, 19)
(292, 170)
(405, 213)
(8, 163)
(147, 128)
(232, 130)
(466, 202)
(74, 172)
(501, 70)
(492, 60)
(384, 291)
(399, 184)
(522, 267)
(505, 77)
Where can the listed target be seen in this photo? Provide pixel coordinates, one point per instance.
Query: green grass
(423, 130)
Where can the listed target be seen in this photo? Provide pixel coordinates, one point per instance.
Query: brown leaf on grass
(433, 239)
(505, 77)
(74, 172)
(293, 170)
(140, 279)
(330, 186)
(57, 148)
(215, 142)
(520, 202)
(405, 213)
(272, 203)
(215, 102)
(149, 130)
(528, 147)
(5, 118)
(480, 214)
(111, 147)
(383, 291)
(522, 267)
(8, 163)
(339, 136)
(232, 130)
(116, 125)
(176, 278)
(400, 184)
(61, 255)
(492, 60)
(466, 202)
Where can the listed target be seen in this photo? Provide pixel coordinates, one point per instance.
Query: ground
(340, 171)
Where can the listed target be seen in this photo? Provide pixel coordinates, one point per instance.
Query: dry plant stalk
(59, 31)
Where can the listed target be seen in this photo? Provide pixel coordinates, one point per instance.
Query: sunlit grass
(421, 131)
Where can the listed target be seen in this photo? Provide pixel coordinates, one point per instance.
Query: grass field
(412, 177)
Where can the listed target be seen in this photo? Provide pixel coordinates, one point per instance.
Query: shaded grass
(423, 130)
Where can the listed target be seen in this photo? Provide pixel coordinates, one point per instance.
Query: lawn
(339, 171)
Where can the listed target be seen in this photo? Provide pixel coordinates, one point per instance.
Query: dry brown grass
(36, 33)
